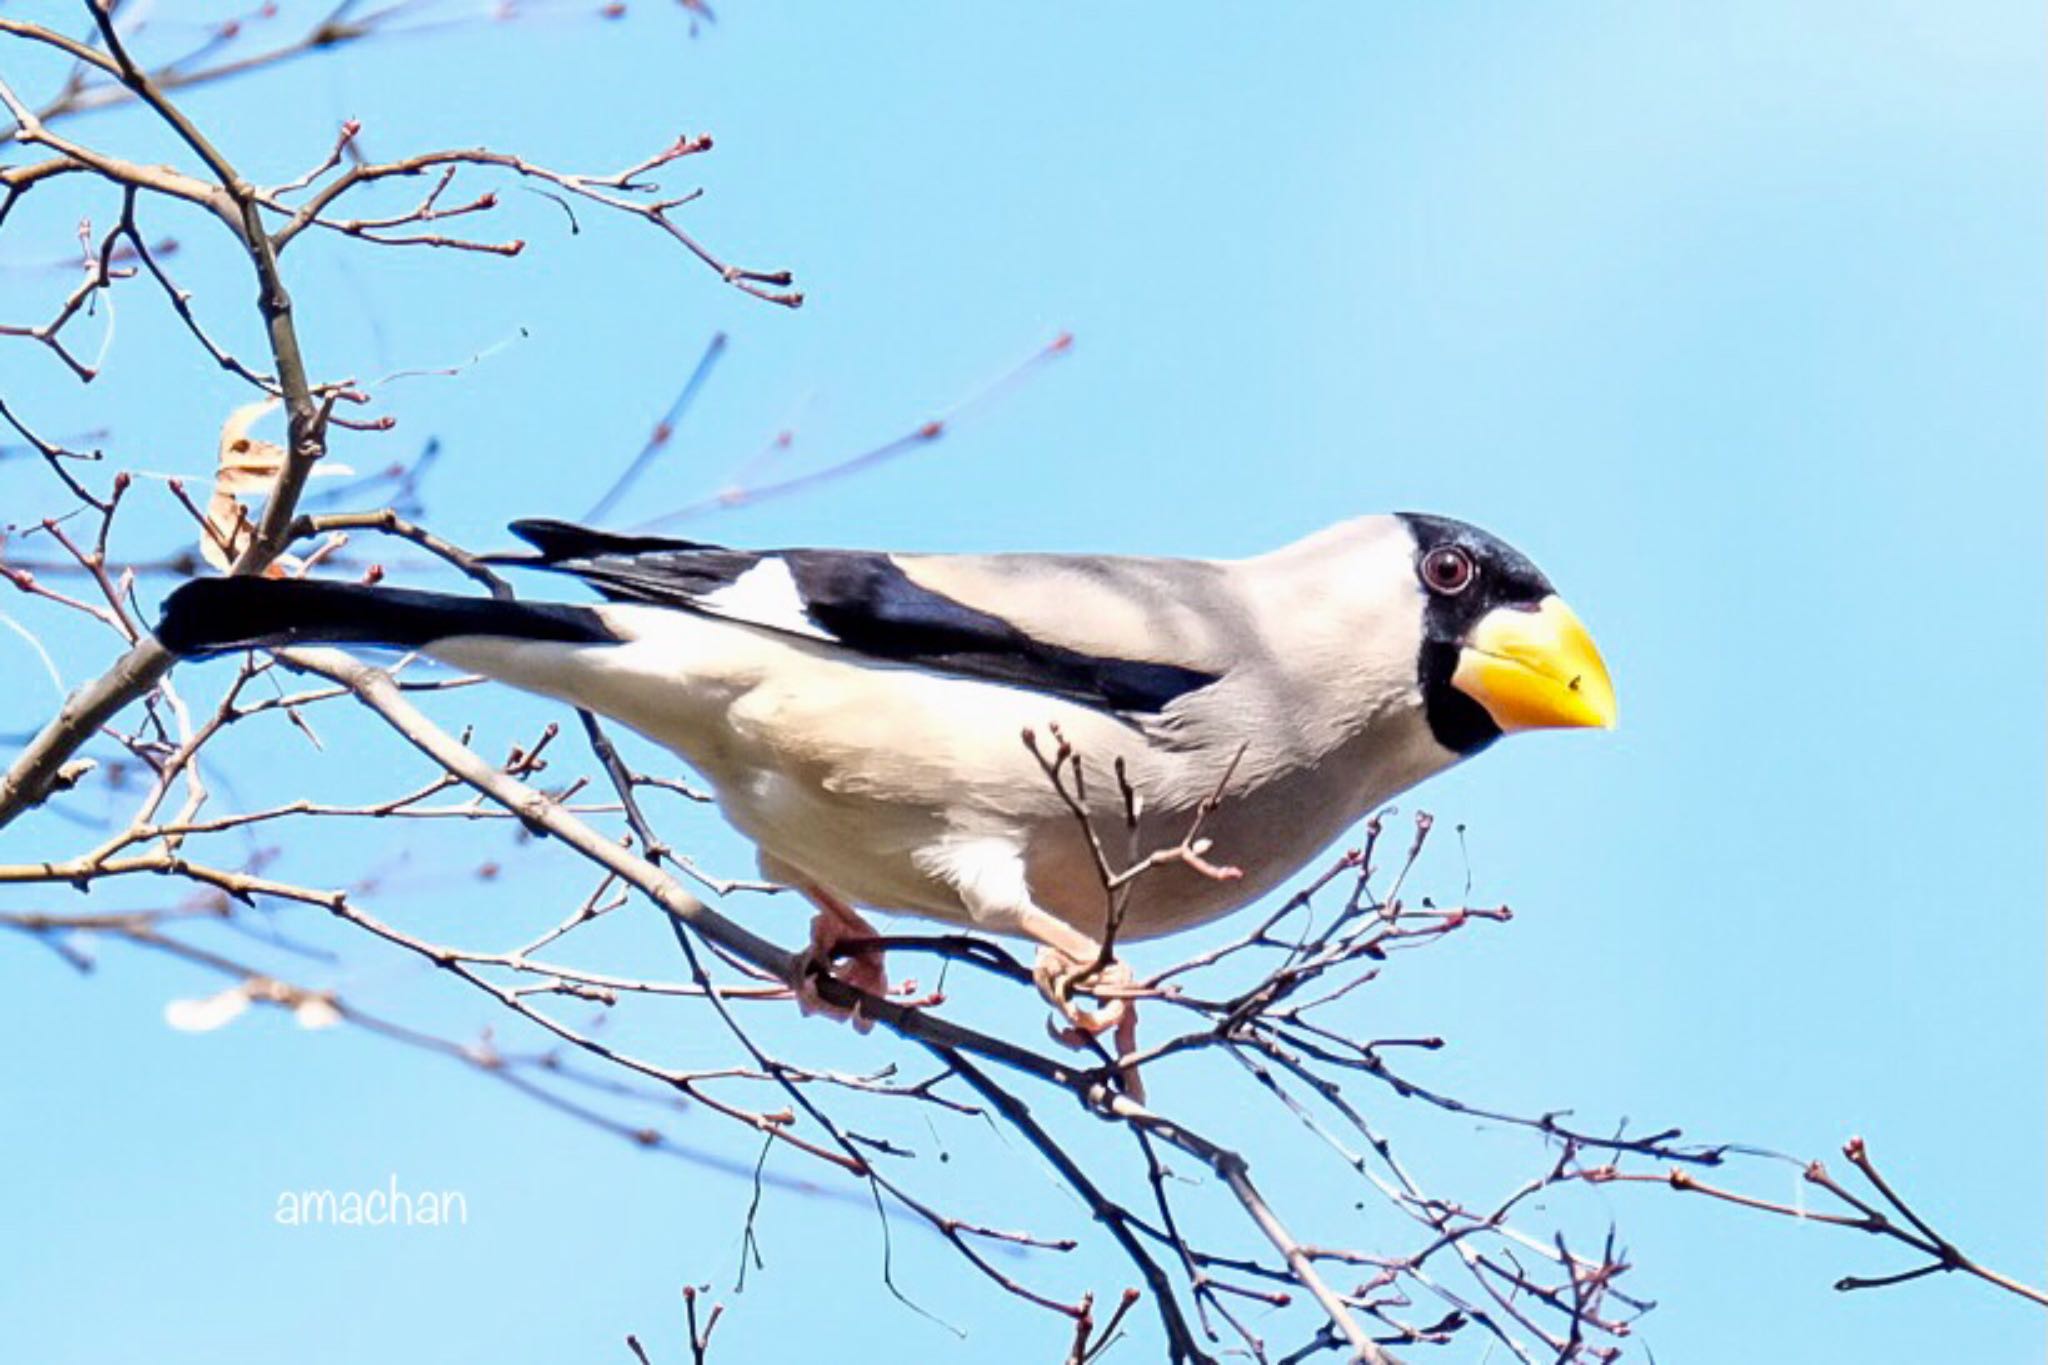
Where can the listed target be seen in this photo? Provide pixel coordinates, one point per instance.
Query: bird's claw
(1060, 976)
(862, 968)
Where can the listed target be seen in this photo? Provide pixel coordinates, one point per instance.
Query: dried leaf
(247, 465)
(226, 532)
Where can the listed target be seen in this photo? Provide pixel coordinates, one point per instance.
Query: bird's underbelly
(868, 801)
(861, 849)
(869, 834)
(862, 778)
(873, 851)
(1253, 846)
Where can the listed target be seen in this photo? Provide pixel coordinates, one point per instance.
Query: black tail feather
(216, 615)
(559, 541)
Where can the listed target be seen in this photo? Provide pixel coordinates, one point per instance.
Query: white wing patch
(765, 595)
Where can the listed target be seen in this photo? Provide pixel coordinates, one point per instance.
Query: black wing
(856, 600)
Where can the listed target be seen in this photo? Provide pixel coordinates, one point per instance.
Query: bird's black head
(1500, 650)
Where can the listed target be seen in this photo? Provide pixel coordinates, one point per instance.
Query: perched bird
(861, 716)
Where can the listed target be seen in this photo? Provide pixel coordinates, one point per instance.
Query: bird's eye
(1448, 570)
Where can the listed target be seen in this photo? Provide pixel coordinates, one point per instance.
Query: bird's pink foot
(1059, 976)
(835, 925)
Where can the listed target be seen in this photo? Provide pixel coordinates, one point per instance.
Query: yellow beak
(1536, 670)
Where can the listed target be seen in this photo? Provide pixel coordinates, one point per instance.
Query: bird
(878, 724)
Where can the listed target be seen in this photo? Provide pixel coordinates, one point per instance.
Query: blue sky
(1729, 315)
